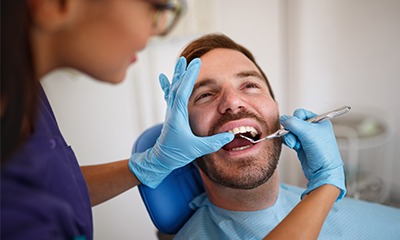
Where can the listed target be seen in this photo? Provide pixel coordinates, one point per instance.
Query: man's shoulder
(201, 224)
(358, 219)
(348, 219)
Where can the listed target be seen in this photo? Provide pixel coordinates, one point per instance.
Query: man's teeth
(241, 148)
(244, 129)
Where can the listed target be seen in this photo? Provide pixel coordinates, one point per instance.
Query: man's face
(230, 94)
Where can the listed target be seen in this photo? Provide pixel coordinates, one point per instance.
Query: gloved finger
(306, 114)
(289, 140)
(180, 69)
(291, 123)
(295, 125)
(186, 87)
(303, 114)
(217, 141)
(165, 85)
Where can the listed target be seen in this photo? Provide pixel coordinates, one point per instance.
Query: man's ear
(50, 15)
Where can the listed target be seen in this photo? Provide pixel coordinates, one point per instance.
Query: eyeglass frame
(178, 9)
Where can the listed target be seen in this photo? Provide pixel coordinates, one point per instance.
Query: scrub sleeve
(43, 192)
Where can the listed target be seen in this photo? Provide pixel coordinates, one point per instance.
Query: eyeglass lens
(167, 17)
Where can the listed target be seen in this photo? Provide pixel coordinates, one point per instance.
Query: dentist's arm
(105, 181)
(317, 150)
(316, 147)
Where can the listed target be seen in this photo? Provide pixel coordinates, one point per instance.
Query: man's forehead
(221, 61)
(227, 54)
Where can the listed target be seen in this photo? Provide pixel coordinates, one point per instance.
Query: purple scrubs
(43, 192)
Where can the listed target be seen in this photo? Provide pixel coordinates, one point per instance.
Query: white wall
(317, 54)
(348, 53)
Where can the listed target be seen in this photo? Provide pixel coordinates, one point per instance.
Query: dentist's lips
(133, 58)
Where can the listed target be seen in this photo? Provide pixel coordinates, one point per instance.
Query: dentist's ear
(50, 15)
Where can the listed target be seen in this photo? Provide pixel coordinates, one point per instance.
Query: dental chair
(168, 204)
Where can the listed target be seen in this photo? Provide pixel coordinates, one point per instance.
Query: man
(243, 198)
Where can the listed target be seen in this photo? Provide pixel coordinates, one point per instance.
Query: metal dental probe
(332, 114)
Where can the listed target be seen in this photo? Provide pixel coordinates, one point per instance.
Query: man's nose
(231, 102)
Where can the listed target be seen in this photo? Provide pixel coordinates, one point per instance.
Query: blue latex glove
(176, 145)
(316, 147)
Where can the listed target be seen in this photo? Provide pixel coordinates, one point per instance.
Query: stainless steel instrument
(332, 114)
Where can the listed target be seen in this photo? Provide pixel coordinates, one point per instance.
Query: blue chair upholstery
(168, 204)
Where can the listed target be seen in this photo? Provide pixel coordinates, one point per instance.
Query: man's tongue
(237, 142)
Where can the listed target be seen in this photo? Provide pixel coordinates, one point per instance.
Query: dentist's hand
(316, 147)
(176, 145)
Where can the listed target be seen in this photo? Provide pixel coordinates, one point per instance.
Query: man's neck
(259, 198)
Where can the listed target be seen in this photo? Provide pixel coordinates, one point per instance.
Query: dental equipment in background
(335, 113)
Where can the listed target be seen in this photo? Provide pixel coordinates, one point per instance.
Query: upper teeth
(244, 129)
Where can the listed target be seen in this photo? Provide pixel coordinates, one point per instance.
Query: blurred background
(317, 55)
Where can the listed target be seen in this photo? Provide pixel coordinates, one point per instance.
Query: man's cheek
(193, 124)
(197, 123)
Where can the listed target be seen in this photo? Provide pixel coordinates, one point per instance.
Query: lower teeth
(241, 148)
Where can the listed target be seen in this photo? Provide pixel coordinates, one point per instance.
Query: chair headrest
(168, 204)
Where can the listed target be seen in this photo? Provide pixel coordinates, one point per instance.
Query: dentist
(45, 194)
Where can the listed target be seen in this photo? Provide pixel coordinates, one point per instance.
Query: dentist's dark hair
(208, 42)
(18, 84)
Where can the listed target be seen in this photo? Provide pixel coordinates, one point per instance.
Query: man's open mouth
(240, 143)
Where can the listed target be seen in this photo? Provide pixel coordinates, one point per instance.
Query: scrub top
(348, 219)
(43, 192)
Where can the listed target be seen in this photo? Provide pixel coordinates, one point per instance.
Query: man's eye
(203, 96)
(252, 85)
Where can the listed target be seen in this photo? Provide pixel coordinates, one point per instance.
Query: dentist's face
(104, 37)
(230, 94)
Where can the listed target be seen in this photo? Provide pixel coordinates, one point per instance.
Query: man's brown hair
(208, 42)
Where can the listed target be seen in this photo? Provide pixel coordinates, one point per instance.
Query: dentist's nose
(231, 102)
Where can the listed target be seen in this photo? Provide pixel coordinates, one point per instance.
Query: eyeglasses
(167, 15)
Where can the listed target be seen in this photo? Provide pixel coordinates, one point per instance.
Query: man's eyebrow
(205, 82)
(244, 74)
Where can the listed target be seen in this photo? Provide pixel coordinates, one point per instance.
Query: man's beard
(244, 173)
